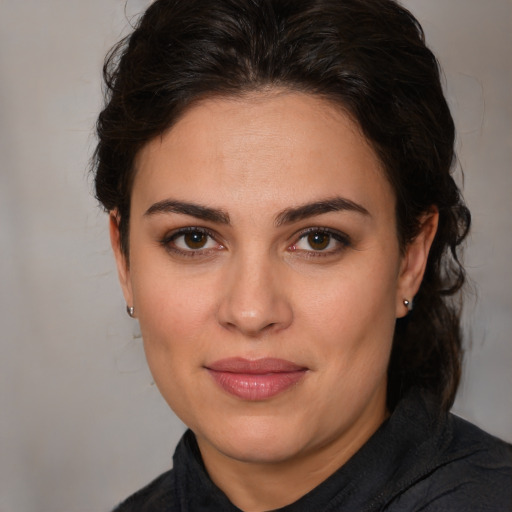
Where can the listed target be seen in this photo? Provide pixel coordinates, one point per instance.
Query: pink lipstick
(255, 379)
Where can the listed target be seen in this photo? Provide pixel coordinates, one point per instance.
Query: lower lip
(256, 387)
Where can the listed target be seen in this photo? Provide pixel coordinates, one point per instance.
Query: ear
(123, 270)
(414, 261)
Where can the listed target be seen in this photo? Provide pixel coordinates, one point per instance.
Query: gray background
(81, 422)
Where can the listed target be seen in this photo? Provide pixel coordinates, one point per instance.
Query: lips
(255, 380)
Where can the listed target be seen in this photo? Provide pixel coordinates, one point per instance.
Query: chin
(261, 451)
(258, 440)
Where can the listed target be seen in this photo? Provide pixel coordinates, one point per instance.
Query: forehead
(264, 147)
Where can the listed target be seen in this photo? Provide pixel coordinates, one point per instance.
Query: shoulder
(157, 496)
(469, 470)
(464, 437)
(478, 456)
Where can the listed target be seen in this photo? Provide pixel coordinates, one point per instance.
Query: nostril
(251, 330)
(253, 303)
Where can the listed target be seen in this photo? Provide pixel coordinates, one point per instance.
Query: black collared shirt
(420, 459)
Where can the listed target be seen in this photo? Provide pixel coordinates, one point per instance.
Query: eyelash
(342, 242)
(169, 242)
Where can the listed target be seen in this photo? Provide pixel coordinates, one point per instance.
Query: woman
(287, 232)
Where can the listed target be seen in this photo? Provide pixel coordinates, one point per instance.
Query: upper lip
(254, 366)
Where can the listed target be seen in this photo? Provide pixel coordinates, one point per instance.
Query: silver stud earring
(408, 304)
(131, 311)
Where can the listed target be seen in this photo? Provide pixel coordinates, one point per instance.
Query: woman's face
(266, 275)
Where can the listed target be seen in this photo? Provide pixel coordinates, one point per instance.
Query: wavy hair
(367, 56)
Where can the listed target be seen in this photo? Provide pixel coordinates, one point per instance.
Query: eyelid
(342, 241)
(341, 238)
(167, 240)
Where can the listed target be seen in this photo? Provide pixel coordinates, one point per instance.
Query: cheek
(352, 296)
(167, 298)
(175, 314)
(170, 310)
(352, 315)
(174, 320)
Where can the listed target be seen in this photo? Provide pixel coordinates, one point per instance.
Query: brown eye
(191, 240)
(321, 242)
(318, 241)
(195, 240)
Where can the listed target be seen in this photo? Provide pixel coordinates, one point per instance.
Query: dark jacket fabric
(419, 460)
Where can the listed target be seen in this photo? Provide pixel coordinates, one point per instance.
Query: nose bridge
(254, 299)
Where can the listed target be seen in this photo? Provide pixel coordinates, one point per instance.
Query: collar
(402, 451)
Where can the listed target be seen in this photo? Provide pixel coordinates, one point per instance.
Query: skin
(259, 288)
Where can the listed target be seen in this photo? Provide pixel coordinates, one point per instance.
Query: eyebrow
(335, 204)
(287, 216)
(194, 210)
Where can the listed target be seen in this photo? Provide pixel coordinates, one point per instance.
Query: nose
(255, 301)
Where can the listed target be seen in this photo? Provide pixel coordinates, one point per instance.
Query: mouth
(255, 380)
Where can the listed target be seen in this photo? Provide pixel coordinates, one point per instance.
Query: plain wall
(81, 423)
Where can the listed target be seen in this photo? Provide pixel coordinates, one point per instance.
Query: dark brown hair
(367, 56)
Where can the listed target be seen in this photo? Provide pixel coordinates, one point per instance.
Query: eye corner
(328, 242)
(191, 242)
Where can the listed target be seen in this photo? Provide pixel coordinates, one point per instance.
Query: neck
(284, 482)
